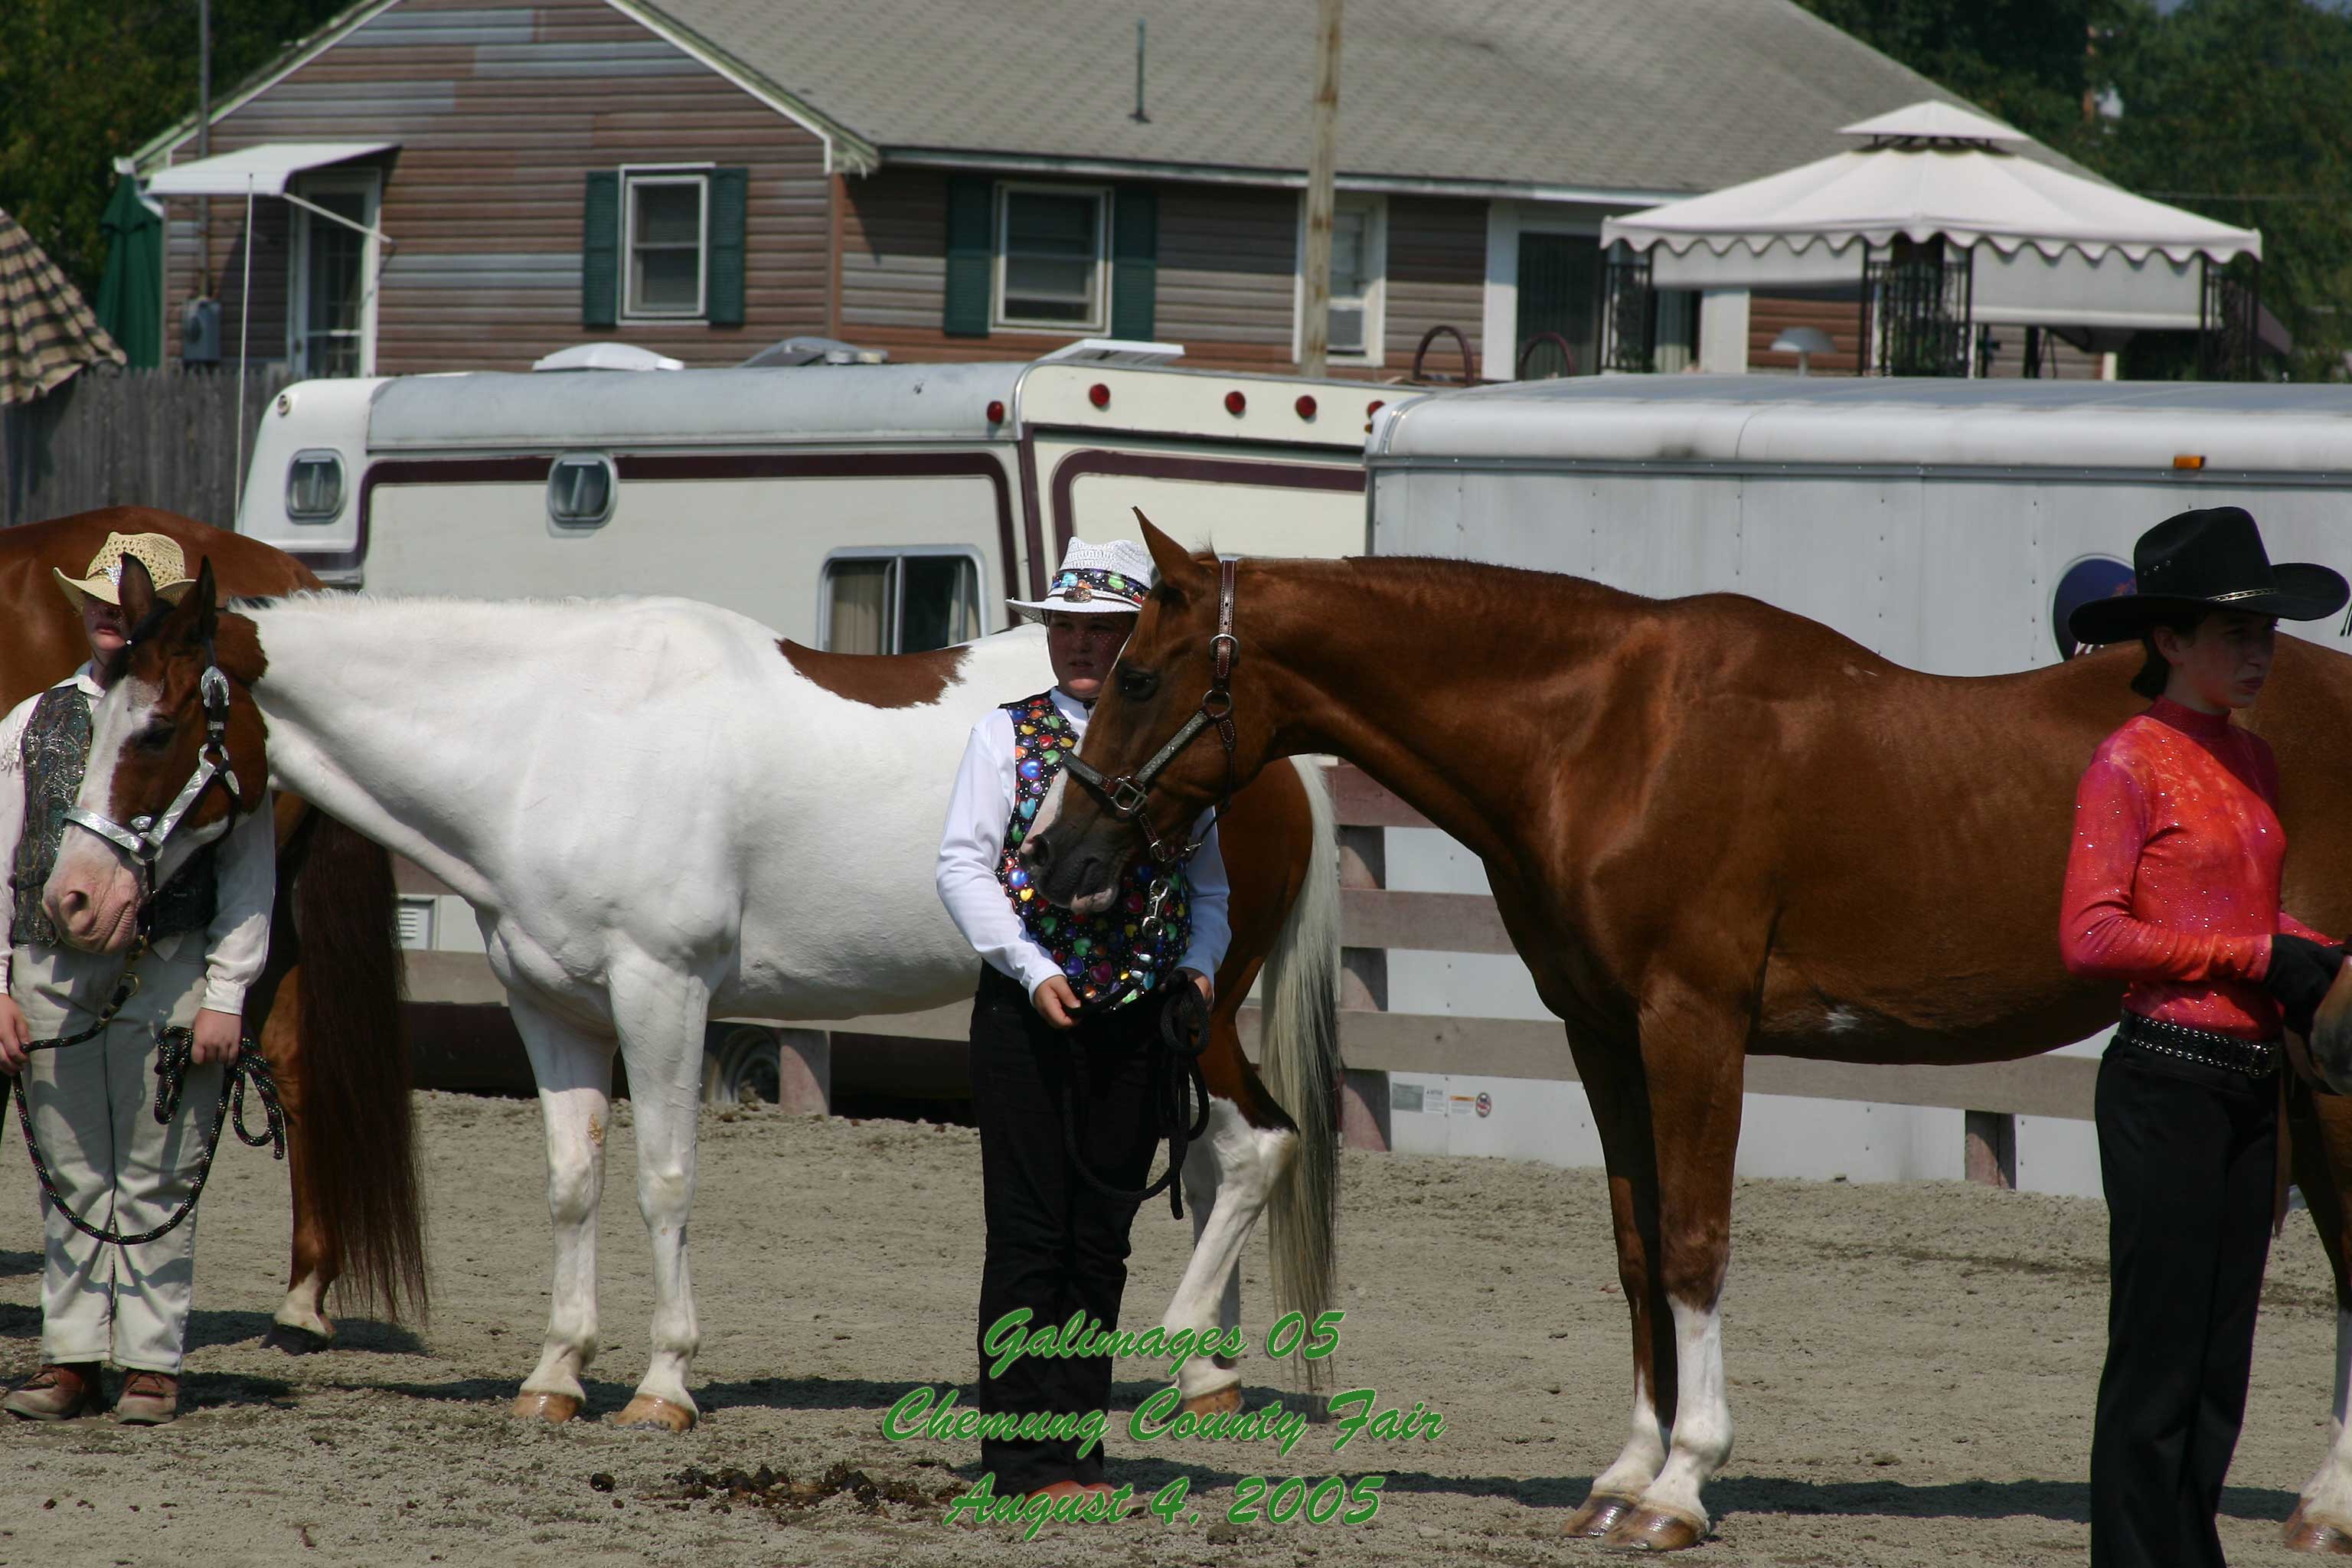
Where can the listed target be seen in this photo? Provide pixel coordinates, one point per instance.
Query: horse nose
(73, 908)
(1038, 851)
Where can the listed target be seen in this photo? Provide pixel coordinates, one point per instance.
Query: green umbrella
(131, 292)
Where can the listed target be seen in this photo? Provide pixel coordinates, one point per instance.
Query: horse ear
(207, 600)
(136, 590)
(1179, 573)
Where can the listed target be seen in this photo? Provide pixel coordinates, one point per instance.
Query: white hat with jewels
(167, 568)
(1096, 579)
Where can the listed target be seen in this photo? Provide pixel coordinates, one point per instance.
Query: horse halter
(145, 838)
(1125, 796)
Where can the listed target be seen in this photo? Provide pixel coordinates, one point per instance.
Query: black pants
(2189, 1157)
(1056, 1244)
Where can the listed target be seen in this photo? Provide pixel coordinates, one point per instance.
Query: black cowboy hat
(2208, 560)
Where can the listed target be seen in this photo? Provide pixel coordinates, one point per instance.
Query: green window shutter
(600, 253)
(1135, 263)
(722, 290)
(971, 256)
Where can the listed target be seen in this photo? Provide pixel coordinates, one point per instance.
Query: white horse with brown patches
(661, 813)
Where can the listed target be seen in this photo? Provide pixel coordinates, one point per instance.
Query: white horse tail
(1299, 1043)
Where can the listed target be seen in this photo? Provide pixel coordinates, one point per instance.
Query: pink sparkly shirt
(2173, 881)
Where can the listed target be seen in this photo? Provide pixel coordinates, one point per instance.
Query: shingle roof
(1619, 95)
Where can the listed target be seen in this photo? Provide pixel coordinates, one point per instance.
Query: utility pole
(204, 141)
(1315, 354)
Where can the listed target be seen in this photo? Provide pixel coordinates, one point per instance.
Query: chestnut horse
(661, 812)
(326, 1009)
(1713, 829)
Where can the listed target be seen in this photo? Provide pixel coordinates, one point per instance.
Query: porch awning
(263, 170)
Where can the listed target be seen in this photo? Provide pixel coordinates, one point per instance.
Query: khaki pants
(93, 1111)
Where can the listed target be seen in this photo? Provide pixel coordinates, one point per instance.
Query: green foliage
(85, 81)
(2238, 110)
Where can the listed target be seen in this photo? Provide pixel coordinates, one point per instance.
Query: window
(580, 491)
(1359, 259)
(900, 604)
(663, 221)
(314, 485)
(1050, 270)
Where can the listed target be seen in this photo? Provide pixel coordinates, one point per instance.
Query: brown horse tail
(1300, 1045)
(358, 1142)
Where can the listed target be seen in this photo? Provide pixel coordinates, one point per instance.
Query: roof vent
(813, 351)
(607, 356)
(1114, 351)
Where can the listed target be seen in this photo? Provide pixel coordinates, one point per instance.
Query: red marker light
(1306, 406)
(996, 412)
(1236, 403)
(1374, 406)
(1099, 394)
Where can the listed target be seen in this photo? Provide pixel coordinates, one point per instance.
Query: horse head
(177, 753)
(1166, 681)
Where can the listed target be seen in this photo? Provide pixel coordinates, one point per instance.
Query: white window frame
(369, 186)
(1100, 321)
(1376, 294)
(898, 583)
(632, 176)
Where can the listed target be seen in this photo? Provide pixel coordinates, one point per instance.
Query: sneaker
(148, 1399)
(56, 1392)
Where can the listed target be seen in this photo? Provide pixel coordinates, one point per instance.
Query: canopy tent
(46, 333)
(2044, 247)
(130, 291)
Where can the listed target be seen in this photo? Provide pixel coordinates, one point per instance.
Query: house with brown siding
(471, 184)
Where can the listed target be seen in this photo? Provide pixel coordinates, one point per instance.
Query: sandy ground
(1911, 1369)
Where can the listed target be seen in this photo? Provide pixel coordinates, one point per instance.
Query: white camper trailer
(1949, 525)
(869, 507)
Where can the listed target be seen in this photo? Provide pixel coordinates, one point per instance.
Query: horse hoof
(1649, 1528)
(294, 1340)
(1216, 1402)
(2306, 1534)
(1600, 1515)
(551, 1408)
(655, 1414)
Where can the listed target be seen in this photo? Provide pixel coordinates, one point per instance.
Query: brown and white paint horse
(1711, 828)
(326, 1011)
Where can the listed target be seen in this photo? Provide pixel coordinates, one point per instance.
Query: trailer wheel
(741, 1062)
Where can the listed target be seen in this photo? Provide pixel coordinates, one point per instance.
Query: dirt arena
(1911, 1372)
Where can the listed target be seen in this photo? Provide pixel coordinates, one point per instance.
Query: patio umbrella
(131, 292)
(47, 331)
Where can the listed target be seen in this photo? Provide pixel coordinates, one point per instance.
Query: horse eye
(155, 737)
(1137, 684)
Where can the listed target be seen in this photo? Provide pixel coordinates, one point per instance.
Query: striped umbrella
(47, 331)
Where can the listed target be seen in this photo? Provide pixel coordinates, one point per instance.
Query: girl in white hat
(210, 933)
(1054, 985)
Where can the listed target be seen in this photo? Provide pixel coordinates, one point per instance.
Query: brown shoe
(56, 1392)
(148, 1399)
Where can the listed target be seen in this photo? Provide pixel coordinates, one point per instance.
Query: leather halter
(143, 839)
(1125, 796)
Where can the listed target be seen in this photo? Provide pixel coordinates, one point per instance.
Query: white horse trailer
(1949, 525)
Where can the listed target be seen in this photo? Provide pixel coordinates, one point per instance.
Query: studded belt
(2254, 1058)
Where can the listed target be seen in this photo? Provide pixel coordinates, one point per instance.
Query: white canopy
(1935, 170)
(262, 170)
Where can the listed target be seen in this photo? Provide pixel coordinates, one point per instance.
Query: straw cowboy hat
(2208, 560)
(1095, 580)
(103, 582)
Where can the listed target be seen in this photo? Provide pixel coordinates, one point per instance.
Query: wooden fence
(146, 438)
(1376, 1042)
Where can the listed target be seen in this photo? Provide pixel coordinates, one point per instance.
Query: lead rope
(1173, 1067)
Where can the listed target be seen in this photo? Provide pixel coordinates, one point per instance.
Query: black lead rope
(1173, 1067)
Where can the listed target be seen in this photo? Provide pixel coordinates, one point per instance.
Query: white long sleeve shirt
(974, 843)
(237, 943)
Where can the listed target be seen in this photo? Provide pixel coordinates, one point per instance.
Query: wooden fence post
(1992, 1149)
(1364, 985)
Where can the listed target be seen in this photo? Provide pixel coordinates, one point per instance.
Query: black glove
(1184, 1016)
(2300, 971)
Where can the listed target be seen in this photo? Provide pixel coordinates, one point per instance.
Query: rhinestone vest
(56, 753)
(1106, 958)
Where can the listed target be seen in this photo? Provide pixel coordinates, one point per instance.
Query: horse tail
(1300, 1045)
(358, 1140)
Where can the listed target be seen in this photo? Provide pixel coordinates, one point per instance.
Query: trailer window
(580, 491)
(314, 485)
(900, 604)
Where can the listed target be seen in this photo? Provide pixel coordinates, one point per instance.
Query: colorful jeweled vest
(1106, 958)
(56, 752)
